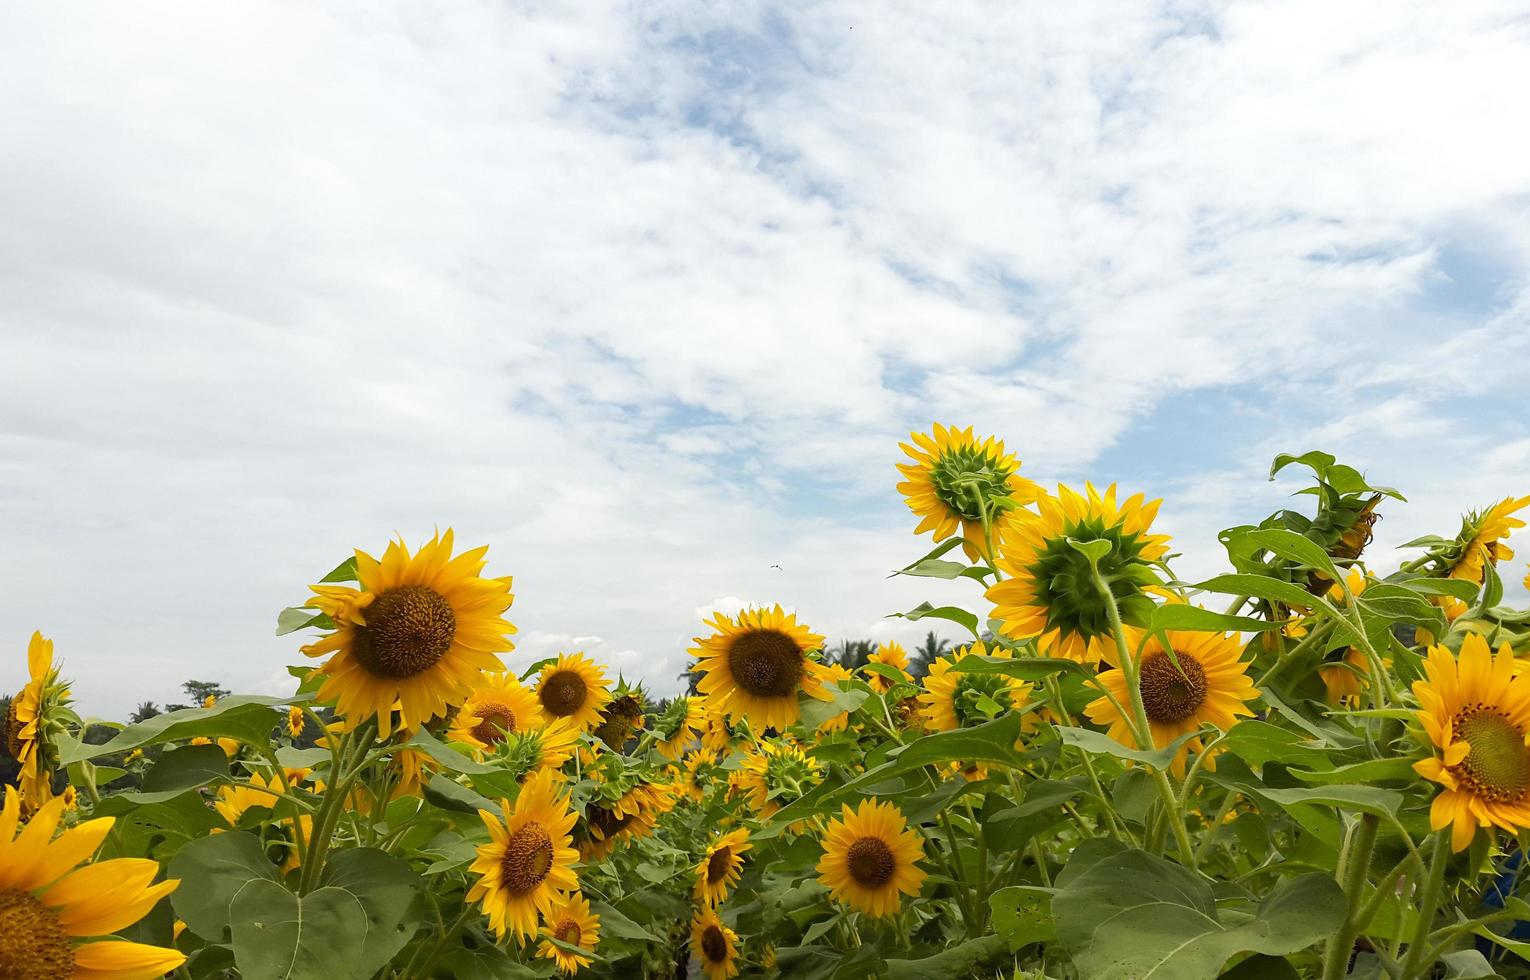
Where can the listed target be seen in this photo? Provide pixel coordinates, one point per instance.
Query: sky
(644, 296)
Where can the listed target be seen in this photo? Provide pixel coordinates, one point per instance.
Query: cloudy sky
(644, 295)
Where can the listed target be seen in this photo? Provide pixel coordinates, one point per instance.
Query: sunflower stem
(1287, 658)
(1354, 862)
(1428, 898)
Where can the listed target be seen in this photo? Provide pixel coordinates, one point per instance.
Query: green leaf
(1371, 771)
(386, 889)
(949, 613)
(1098, 743)
(279, 936)
(1179, 616)
(244, 717)
(295, 618)
(958, 961)
(1024, 668)
(1454, 587)
(1258, 742)
(449, 757)
(816, 712)
(211, 871)
(448, 794)
(1023, 915)
(1260, 587)
(1125, 914)
(614, 923)
(1261, 967)
(180, 770)
(1289, 545)
(343, 572)
(1093, 550)
(935, 568)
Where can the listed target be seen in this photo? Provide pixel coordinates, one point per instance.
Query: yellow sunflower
(1476, 712)
(702, 772)
(714, 945)
(719, 871)
(833, 674)
(955, 480)
(1483, 539)
(955, 699)
(570, 922)
(295, 722)
(1344, 684)
(756, 664)
(574, 688)
(716, 732)
(497, 706)
(29, 723)
(889, 654)
(420, 632)
(1208, 687)
(775, 774)
(47, 905)
(676, 729)
(1049, 592)
(529, 862)
(630, 817)
(869, 858)
(259, 791)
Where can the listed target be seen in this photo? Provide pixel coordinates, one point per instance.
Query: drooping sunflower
(777, 773)
(1050, 594)
(574, 688)
(1476, 712)
(622, 717)
(955, 699)
(1346, 678)
(528, 863)
(35, 714)
(419, 632)
(1481, 539)
(676, 729)
(869, 857)
(719, 870)
(1209, 685)
(48, 905)
(714, 945)
(570, 922)
(955, 480)
(756, 664)
(631, 816)
(498, 706)
(889, 654)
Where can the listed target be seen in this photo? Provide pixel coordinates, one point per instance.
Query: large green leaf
(958, 961)
(816, 712)
(1125, 914)
(1288, 545)
(180, 770)
(448, 757)
(951, 614)
(1023, 915)
(1098, 743)
(279, 936)
(1024, 668)
(1180, 616)
(244, 717)
(211, 871)
(386, 889)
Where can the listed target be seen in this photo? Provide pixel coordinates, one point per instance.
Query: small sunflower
(676, 729)
(869, 858)
(622, 717)
(1208, 686)
(717, 732)
(36, 715)
(1476, 712)
(574, 688)
(702, 772)
(1481, 539)
(775, 774)
(715, 945)
(498, 706)
(719, 871)
(569, 921)
(419, 632)
(955, 699)
(833, 674)
(262, 792)
(756, 664)
(546, 748)
(47, 904)
(889, 654)
(1049, 593)
(956, 480)
(631, 816)
(528, 863)
(295, 722)
(1346, 678)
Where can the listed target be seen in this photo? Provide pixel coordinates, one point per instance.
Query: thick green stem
(1353, 865)
(1426, 902)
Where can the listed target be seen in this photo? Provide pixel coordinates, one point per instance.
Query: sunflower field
(1314, 765)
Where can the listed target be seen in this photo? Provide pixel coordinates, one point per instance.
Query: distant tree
(852, 654)
(926, 653)
(199, 692)
(144, 712)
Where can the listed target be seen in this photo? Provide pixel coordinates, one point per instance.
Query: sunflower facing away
(47, 906)
(676, 729)
(420, 632)
(498, 706)
(527, 866)
(546, 748)
(27, 723)
(1482, 536)
(570, 922)
(756, 664)
(622, 718)
(702, 772)
(776, 774)
(1208, 687)
(869, 858)
(1476, 712)
(715, 945)
(955, 699)
(719, 871)
(955, 479)
(574, 687)
(1049, 593)
(889, 654)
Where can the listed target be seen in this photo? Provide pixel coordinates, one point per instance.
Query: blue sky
(644, 296)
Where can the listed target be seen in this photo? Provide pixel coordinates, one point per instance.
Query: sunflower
(295, 722)
(497, 706)
(702, 772)
(570, 922)
(756, 664)
(1476, 712)
(1481, 539)
(1049, 592)
(46, 903)
(955, 699)
(632, 816)
(833, 674)
(574, 688)
(956, 481)
(36, 714)
(622, 717)
(889, 654)
(717, 733)
(1204, 684)
(676, 729)
(715, 945)
(420, 632)
(1346, 678)
(719, 871)
(869, 858)
(259, 791)
(776, 774)
(538, 749)
(528, 863)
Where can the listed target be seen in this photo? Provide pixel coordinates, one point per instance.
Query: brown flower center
(604, 823)
(408, 631)
(528, 859)
(714, 945)
(1171, 694)
(497, 720)
(765, 663)
(1498, 765)
(33, 943)
(871, 862)
(563, 693)
(719, 864)
(568, 931)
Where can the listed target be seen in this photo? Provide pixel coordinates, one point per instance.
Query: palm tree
(144, 712)
(926, 653)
